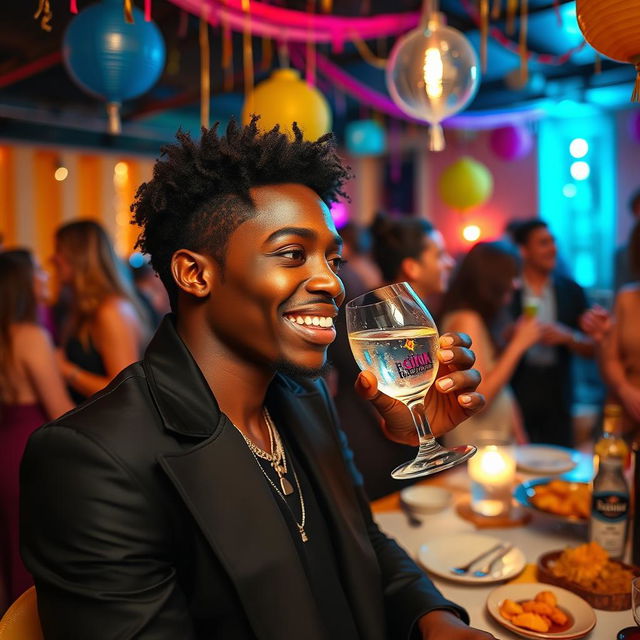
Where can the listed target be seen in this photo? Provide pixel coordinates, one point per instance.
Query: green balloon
(465, 184)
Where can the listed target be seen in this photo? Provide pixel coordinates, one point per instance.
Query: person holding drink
(208, 491)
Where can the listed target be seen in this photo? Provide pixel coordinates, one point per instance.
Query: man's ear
(410, 269)
(193, 272)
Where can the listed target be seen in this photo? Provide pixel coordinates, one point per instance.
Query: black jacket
(143, 516)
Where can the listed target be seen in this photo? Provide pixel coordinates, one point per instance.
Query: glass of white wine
(392, 334)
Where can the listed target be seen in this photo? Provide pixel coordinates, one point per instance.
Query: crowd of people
(211, 473)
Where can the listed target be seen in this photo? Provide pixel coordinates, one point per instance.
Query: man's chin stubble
(293, 370)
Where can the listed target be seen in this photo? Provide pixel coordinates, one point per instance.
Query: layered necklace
(278, 460)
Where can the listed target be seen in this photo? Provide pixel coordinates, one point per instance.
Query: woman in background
(32, 392)
(105, 329)
(618, 343)
(476, 304)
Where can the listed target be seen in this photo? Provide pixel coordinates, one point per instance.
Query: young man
(543, 383)
(205, 493)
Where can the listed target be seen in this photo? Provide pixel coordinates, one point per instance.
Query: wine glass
(633, 633)
(392, 334)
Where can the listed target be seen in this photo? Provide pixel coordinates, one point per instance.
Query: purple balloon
(511, 142)
(634, 125)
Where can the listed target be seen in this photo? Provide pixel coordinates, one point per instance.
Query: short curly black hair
(199, 193)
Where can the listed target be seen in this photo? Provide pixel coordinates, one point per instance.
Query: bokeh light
(579, 147)
(580, 170)
(569, 190)
(61, 174)
(471, 232)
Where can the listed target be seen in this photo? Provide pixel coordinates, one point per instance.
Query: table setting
(482, 561)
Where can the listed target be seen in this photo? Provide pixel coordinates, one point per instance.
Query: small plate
(526, 490)
(425, 499)
(546, 458)
(438, 556)
(582, 617)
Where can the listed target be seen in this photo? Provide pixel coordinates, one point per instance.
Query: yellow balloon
(465, 184)
(285, 98)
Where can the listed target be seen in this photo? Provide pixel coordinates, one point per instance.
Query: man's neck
(536, 279)
(239, 387)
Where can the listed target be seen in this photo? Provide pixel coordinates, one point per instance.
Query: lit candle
(492, 471)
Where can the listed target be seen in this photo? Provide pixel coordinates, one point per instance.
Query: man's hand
(445, 625)
(555, 334)
(597, 323)
(452, 398)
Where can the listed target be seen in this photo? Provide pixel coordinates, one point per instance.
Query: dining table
(537, 535)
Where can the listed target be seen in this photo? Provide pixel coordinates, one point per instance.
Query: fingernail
(446, 341)
(365, 383)
(445, 383)
(465, 399)
(446, 354)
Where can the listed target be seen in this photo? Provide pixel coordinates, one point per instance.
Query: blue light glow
(136, 260)
(569, 190)
(580, 170)
(579, 148)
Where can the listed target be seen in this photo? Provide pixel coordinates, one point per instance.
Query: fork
(465, 568)
(486, 570)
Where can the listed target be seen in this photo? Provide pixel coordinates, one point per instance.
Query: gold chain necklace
(256, 452)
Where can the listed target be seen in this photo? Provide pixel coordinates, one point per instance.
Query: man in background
(543, 383)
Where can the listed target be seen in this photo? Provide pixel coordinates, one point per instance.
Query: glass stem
(425, 437)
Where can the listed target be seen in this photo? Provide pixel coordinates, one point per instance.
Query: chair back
(21, 620)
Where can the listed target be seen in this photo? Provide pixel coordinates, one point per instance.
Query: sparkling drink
(404, 359)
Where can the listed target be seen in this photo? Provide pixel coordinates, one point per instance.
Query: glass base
(630, 633)
(428, 462)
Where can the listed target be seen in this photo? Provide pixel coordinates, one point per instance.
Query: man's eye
(297, 255)
(337, 263)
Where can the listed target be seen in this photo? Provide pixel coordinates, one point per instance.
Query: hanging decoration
(365, 138)
(44, 13)
(111, 59)
(205, 68)
(613, 29)
(432, 73)
(511, 142)
(465, 184)
(285, 98)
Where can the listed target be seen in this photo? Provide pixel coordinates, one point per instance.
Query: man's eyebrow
(302, 232)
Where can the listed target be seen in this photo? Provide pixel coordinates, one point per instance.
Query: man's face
(540, 251)
(434, 264)
(275, 301)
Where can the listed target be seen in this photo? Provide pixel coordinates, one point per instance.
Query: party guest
(543, 383)
(207, 492)
(104, 330)
(32, 392)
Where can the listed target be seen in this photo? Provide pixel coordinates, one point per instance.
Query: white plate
(425, 499)
(546, 458)
(582, 615)
(438, 556)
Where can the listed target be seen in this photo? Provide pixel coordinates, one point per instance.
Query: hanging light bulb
(432, 72)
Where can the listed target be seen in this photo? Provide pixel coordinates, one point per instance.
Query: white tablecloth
(542, 534)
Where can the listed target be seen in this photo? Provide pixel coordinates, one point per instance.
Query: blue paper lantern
(111, 59)
(365, 138)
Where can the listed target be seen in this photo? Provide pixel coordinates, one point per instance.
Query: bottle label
(609, 514)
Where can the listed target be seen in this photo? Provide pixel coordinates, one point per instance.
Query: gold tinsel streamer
(484, 33)
(205, 68)
(310, 70)
(227, 55)
(495, 10)
(512, 7)
(367, 55)
(128, 12)
(267, 54)
(327, 6)
(524, 63)
(247, 55)
(45, 15)
(635, 96)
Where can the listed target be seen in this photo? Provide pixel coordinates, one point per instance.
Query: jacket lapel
(307, 425)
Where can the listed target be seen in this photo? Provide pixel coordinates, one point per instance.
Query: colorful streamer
(44, 13)
(205, 69)
(73, 6)
(128, 12)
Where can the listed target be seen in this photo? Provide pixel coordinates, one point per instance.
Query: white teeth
(307, 320)
(315, 320)
(322, 322)
(329, 322)
(300, 320)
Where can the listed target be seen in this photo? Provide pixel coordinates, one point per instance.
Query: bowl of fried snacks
(588, 571)
(561, 499)
(534, 610)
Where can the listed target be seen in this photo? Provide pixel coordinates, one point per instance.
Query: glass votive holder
(492, 472)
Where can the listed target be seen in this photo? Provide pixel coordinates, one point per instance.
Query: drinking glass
(633, 633)
(392, 334)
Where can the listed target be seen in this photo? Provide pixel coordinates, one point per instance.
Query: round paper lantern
(613, 29)
(365, 138)
(465, 184)
(634, 126)
(432, 73)
(111, 59)
(284, 98)
(511, 142)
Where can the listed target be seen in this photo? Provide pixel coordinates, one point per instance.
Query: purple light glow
(340, 214)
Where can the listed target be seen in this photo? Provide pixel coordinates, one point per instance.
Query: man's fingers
(457, 358)
(472, 401)
(367, 387)
(458, 381)
(454, 339)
